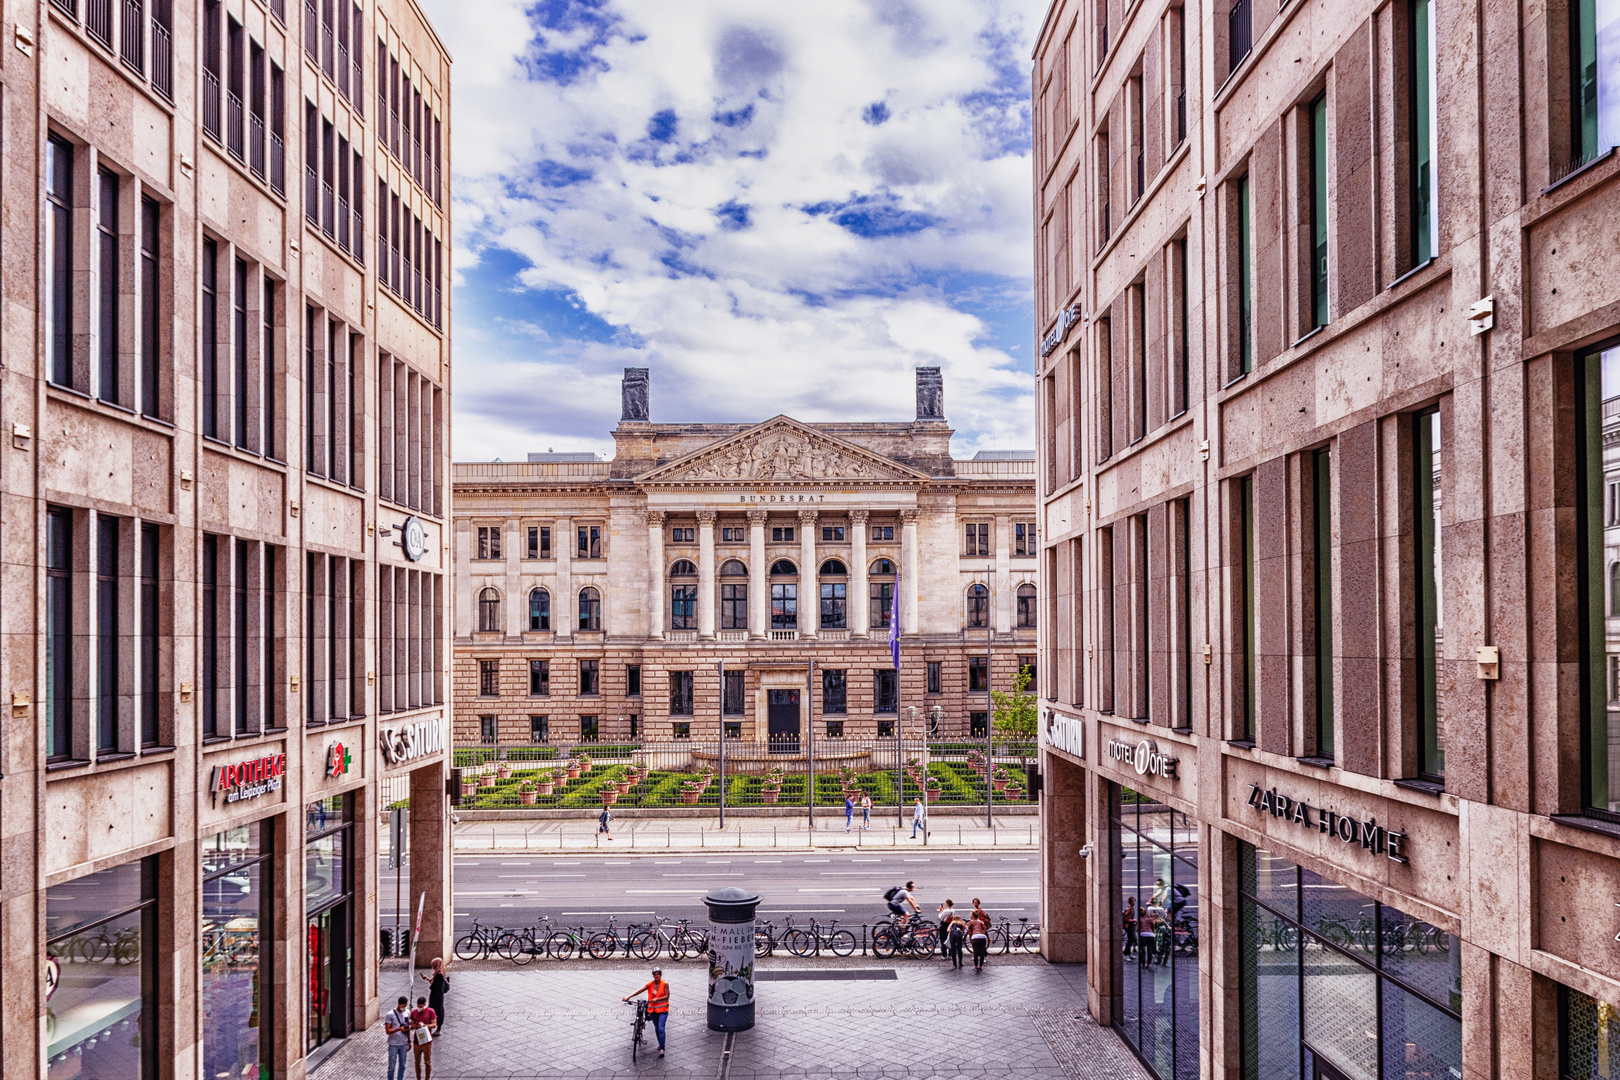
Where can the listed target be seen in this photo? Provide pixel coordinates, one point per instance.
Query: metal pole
(722, 753)
(899, 756)
(923, 760)
(989, 705)
(810, 738)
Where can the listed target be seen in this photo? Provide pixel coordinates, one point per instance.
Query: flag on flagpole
(894, 618)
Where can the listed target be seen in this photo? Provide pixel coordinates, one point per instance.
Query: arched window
(489, 610)
(539, 609)
(1026, 606)
(733, 568)
(783, 568)
(590, 608)
(881, 567)
(978, 605)
(833, 568)
(683, 568)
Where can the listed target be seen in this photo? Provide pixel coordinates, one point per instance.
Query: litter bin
(731, 958)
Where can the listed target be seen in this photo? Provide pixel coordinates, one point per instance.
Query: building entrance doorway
(782, 719)
(330, 967)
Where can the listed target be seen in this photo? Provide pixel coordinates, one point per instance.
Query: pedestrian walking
(423, 1020)
(438, 982)
(866, 812)
(657, 992)
(398, 1026)
(849, 810)
(602, 820)
(978, 930)
(919, 819)
(1127, 920)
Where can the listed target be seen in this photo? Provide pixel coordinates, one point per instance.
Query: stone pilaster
(859, 617)
(655, 574)
(809, 593)
(759, 596)
(910, 572)
(708, 599)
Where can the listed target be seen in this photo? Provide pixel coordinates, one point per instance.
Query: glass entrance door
(782, 718)
(330, 969)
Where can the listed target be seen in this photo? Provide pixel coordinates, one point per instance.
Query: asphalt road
(513, 890)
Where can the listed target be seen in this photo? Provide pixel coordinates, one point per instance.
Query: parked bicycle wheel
(763, 942)
(1000, 940)
(515, 946)
(471, 947)
(560, 945)
(1029, 939)
(603, 945)
(644, 944)
(885, 941)
(801, 942)
(841, 942)
(690, 943)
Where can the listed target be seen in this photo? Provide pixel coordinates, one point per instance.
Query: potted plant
(503, 771)
(610, 795)
(545, 782)
(487, 780)
(770, 793)
(469, 788)
(1014, 792)
(691, 790)
(572, 769)
(527, 793)
(999, 779)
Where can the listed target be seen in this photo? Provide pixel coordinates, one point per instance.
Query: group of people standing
(956, 932)
(1150, 929)
(413, 1030)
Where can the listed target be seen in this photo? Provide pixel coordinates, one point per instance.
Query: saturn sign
(1145, 757)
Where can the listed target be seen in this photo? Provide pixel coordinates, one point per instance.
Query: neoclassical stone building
(596, 599)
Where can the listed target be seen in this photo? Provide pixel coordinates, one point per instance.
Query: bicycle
(524, 944)
(479, 942)
(1029, 936)
(765, 939)
(912, 935)
(561, 944)
(637, 1026)
(646, 944)
(806, 942)
(607, 942)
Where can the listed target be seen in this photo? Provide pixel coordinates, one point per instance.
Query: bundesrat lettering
(1371, 835)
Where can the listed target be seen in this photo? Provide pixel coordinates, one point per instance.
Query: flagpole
(899, 726)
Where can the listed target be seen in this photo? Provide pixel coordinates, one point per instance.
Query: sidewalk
(655, 834)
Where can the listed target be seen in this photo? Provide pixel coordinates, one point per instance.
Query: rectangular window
(835, 729)
(590, 678)
(151, 312)
(978, 726)
(212, 39)
(883, 532)
(682, 730)
(732, 693)
(934, 677)
(978, 674)
(1245, 289)
(1024, 538)
(235, 61)
(733, 536)
(107, 612)
(734, 607)
(267, 372)
(1240, 33)
(59, 260)
(534, 543)
(489, 681)
(1180, 361)
(682, 536)
(832, 534)
(539, 610)
(683, 607)
(1322, 557)
(885, 691)
(885, 729)
(487, 730)
(880, 604)
(255, 107)
(590, 542)
(1245, 570)
(210, 338)
(539, 678)
(1588, 1036)
(239, 637)
(632, 680)
(680, 693)
(58, 633)
(1421, 125)
(1428, 595)
(977, 538)
(489, 542)
(149, 635)
(834, 691)
(1136, 308)
(833, 605)
(278, 130)
(108, 344)
(539, 729)
(782, 535)
(210, 638)
(239, 353)
(1319, 209)
(784, 607)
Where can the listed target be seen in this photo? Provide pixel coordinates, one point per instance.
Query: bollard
(731, 958)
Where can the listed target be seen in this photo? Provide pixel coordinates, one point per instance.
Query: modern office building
(226, 401)
(596, 599)
(1330, 531)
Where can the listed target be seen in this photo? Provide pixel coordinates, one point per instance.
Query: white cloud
(777, 208)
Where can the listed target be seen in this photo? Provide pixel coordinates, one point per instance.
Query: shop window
(1427, 594)
(590, 678)
(934, 677)
(834, 691)
(885, 692)
(328, 908)
(487, 731)
(539, 729)
(632, 679)
(539, 609)
(489, 680)
(680, 693)
(732, 703)
(587, 729)
(237, 895)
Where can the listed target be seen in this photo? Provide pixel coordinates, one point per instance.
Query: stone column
(429, 845)
(515, 598)
(759, 596)
(564, 604)
(809, 593)
(1002, 545)
(655, 574)
(707, 599)
(910, 571)
(859, 617)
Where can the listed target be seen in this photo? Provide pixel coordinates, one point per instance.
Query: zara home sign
(1369, 834)
(1145, 757)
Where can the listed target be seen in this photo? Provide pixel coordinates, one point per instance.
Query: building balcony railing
(731, 635)
(784, 635)
(680, 635)
(833, 634)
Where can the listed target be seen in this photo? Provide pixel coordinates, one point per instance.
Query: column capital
(858, 518)
(758, 517)
(808, 517)
(707, 517)
(909, 517)
(655, 519)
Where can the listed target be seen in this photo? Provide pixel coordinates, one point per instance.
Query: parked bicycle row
(908, 936)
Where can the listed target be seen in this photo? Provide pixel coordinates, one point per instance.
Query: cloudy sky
(778, 208)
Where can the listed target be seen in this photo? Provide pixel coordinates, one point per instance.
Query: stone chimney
(930, 394)
(635, 396)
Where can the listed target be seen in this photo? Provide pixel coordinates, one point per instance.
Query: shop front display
(99, 974)
(329, 913)
(1338, 986)
(1156, 944)
(236, 976)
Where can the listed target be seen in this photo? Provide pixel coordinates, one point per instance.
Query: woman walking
(438, 982)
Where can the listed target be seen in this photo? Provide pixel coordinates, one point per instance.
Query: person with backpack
(898, 896)
(1179, 894)
(397, 1025)
(602, 820)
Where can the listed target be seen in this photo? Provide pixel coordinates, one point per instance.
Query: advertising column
(731, 958)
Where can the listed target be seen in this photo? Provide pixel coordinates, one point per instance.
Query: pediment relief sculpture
(786, 453)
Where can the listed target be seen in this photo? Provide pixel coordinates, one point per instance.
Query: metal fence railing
(749, 774)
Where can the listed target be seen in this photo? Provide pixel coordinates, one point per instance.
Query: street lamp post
(989, 706)
(810, 742)
(721, 754)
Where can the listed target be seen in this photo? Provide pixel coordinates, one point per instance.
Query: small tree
(1016, 715)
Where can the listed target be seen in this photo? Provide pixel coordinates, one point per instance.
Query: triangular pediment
(778, 450)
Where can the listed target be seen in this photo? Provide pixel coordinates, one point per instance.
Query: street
(513, 890)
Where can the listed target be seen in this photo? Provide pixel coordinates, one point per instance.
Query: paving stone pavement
(1016, 1019)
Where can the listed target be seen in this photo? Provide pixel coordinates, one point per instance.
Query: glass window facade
(1331, 977)
(1156, 955)
(100, 984)
(328, 889)
(235, 969)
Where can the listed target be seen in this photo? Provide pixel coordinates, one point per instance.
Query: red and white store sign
(249, 779)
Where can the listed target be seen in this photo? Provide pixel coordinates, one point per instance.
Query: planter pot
(543, 789)
(625, 786)
(770, 796)
(468, 789)
(690, 798)
(503, 773)
(573, 773)
(527, 798)
(1015, 793)
(1000, 786)
(486, 780)
(609, 797)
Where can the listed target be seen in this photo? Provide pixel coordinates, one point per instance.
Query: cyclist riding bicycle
(899, 897)
(657, 992)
